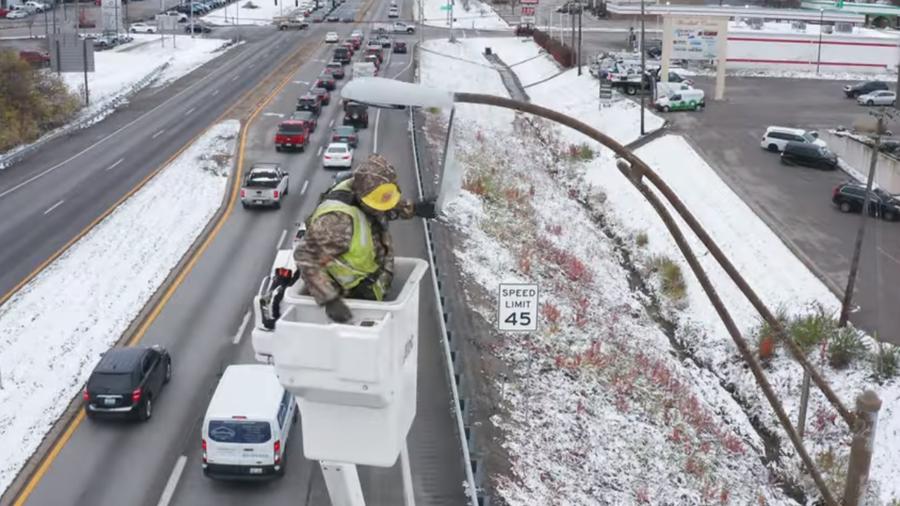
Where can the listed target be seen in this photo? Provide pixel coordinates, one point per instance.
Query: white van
(689, 99)
(247, 424)
(776, 137)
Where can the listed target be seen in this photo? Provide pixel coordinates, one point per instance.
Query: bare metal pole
(861, 448)
(580, 9)
(643, 71)
(861, 231)
(637, 171)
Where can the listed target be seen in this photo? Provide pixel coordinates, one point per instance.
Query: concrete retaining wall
(858, 155)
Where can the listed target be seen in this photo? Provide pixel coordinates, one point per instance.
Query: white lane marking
(242, 328)
(54, 206)
(157, 134)
(375, 135)
(189, 111)
(319, 153)
(281, 239)
(169, 491)
(275, 114)
(892, 257)
(113, 166)
(305, 185)
(215, 92)
(235, 77)
(251, 65)
(301, 82)
(331, 124)
(111, 135)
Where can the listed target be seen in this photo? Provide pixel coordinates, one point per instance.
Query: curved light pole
(381, 92)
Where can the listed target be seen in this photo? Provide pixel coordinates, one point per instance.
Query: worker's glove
(425, 209)
(338, 311)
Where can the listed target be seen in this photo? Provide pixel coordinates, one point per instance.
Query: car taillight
(277, 448)
(136, 395)
(203, 447)
(85, 395)
(243, 193)
(346, 157)
(275, 194)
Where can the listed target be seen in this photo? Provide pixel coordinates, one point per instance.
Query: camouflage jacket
(329, 237)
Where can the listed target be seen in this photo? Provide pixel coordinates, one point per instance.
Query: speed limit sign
(517, 307)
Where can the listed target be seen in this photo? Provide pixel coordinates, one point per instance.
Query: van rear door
(240, 442)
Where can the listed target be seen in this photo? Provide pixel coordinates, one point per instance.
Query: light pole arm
(635, 171)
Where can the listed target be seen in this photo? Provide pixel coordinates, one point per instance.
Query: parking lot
(795, 201)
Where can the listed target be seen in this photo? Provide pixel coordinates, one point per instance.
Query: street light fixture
(396, 94)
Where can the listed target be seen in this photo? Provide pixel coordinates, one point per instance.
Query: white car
(142, 28)
(338, 155)
(394, 12)
(37, 6)
(880, 97)
(17, 14)
(776, 137)
(332, 37)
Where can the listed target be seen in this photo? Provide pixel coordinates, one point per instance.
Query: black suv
(126, 381)
(849, 198)
(808, 155)
(356, 114)
(342, 55)
(309, 102)
(855, 90)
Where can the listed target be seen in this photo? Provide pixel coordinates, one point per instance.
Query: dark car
(325, 81)
(345, 134)
(309, 102)
(356, 114)
(342, 54)
(855, 90)
(198, 28)
(335, 69)
(809, 155)
(399, 47)
(309, 119)
(384, 40)
(524, 30)
(322, 93)
(850, 196)
(126, 381)
(356, 40)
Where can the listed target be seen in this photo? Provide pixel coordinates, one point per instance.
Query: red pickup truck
(291, 135)
(36, 58)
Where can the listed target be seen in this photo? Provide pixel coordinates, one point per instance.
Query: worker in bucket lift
(347, 250)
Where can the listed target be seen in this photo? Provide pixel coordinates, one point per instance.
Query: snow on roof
(785, 27)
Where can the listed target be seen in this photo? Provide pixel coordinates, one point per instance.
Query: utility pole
(452, 39)
(572, 45)
(643, 70)
(863, 220)
(580, 9)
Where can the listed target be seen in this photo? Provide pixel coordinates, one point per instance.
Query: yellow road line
(60, 443)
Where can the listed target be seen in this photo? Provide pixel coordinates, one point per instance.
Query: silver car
(880, 97)
(265, 185)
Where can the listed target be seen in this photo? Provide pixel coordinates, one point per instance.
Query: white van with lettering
(247, 424)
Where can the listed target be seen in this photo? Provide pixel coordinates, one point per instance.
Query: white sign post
(518, 307)
(696, 38)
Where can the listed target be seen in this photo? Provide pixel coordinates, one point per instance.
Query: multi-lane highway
(201, 323)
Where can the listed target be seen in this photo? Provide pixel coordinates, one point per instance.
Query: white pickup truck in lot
(290, 22)
(265, 185)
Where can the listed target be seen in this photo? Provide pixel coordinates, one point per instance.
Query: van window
(675, 97)
(239, 431)
(283, 408)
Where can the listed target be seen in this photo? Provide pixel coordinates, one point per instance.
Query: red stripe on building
(804, 62)
(811, 41)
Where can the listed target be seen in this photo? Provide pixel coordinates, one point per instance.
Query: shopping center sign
(695, 38)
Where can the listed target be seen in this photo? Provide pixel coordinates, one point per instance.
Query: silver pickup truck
(289, 22)
(265, 185)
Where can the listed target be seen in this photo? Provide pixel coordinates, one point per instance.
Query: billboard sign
(527, 11)
(695, 38)
(70, 53)
(528, 2)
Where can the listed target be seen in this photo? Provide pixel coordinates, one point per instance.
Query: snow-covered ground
(595, 385)
(479, 16)
(521, 54)
(53, 330)
(250, 12)
(119, 69)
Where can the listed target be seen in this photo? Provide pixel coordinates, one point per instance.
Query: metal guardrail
(471, 487)
(16, 154)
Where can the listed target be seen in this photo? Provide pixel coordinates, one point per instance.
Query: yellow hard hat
(383, 198)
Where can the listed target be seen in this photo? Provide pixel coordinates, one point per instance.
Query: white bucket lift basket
(355, 383)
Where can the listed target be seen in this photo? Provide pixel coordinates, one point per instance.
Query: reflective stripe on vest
(358, 262)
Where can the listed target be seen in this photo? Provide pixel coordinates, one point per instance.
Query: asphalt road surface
(48, 197)
(796, 202)
(115, 464)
